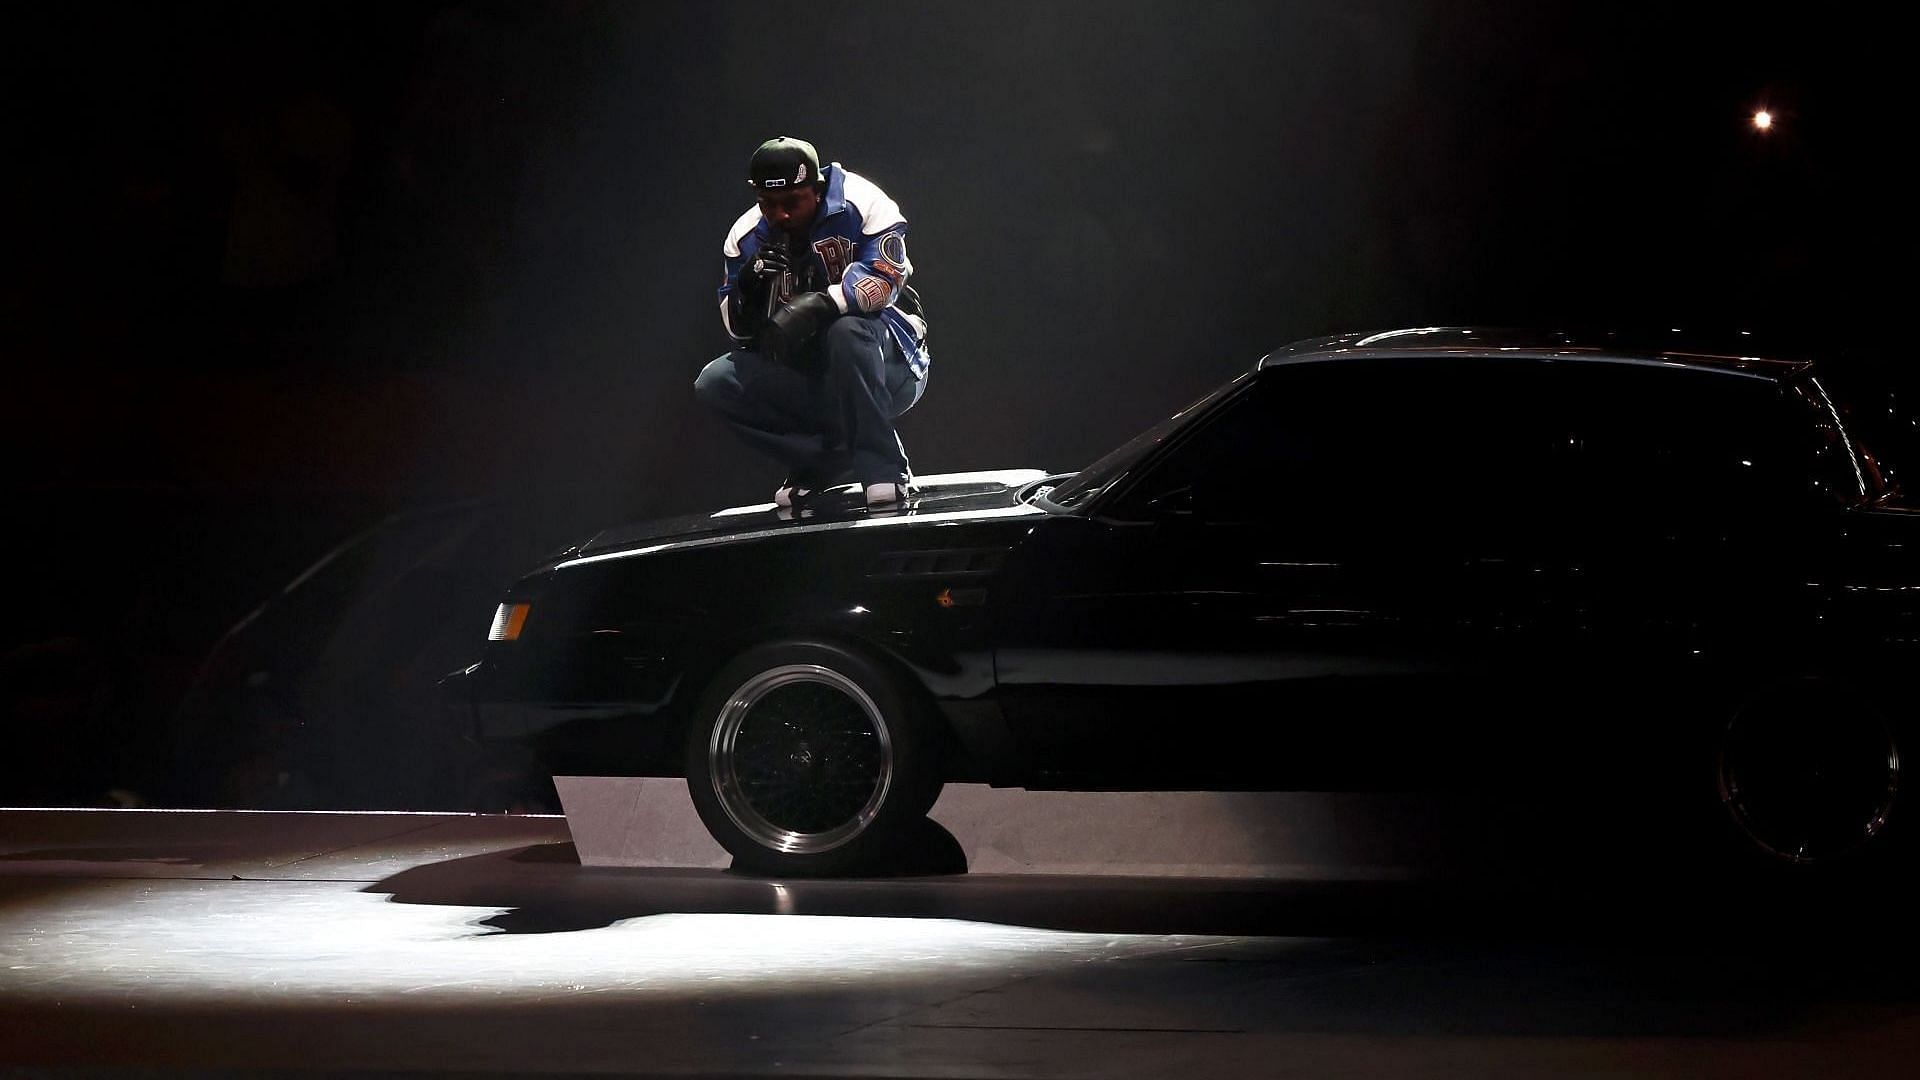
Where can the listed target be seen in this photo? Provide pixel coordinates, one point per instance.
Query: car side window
(1451, 449)
(1671, 445)
(1357, 444)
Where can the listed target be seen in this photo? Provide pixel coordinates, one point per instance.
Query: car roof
(1738, 353)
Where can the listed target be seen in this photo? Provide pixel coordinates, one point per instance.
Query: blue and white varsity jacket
(859, 249)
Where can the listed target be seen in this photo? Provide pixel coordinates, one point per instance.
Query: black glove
(759, 273)
(754, 289)
(794, 326)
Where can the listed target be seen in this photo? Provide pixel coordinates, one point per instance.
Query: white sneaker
(790, 493)
(888, 493)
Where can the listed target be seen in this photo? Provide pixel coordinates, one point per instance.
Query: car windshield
(1093, 479)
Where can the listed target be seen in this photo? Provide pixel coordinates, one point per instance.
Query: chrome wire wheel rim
(1807, 794)
(800, 759)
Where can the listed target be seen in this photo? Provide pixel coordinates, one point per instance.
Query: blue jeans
(830, 420)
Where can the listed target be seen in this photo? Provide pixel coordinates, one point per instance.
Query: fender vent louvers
(943, 562)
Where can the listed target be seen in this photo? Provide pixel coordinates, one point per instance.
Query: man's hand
(760, 272)
(794, 325)
(755, 286)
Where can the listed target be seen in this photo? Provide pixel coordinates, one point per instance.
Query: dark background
(274, 274)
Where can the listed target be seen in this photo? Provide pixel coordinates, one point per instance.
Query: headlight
(507, 622)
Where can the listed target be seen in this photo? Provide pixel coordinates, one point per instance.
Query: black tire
(810, 759)
(1808, 776)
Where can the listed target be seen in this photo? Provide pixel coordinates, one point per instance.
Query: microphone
(784, 287)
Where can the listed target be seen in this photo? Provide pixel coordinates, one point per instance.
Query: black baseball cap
(783, 163)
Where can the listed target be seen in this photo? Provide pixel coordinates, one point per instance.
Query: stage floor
(161, 943)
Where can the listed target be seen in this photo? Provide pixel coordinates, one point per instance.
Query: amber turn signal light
(507, 622)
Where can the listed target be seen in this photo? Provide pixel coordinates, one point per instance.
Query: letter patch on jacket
(836, 252)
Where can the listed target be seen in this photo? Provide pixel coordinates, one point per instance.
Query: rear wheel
(1810, 777)
(810, 759)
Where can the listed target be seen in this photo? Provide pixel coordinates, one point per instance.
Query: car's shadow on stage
(1534, 949)
(544, 889)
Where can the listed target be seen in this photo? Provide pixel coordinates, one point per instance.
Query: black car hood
(944, 494)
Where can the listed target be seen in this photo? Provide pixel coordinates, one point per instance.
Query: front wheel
(809, 759)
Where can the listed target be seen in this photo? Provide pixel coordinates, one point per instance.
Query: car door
(1293, 595)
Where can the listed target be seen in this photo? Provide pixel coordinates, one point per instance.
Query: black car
(1608, 574)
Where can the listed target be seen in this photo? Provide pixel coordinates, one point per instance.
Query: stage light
(1762, 120)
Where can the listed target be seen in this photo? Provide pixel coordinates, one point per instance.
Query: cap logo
(802, 178)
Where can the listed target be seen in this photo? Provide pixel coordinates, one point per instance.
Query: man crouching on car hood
(829, 339)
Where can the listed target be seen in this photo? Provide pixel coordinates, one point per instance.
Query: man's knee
(851, 341)
(717, 384)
